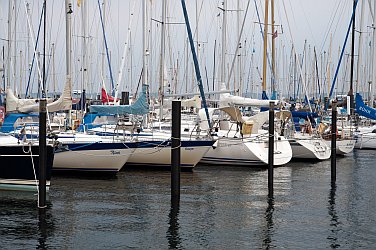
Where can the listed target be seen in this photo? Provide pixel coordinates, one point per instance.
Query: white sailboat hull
(310, 148)
(109, 160)
(91, 153)
(247, 152)
(366, 141)
(161, 156)
(343, 147)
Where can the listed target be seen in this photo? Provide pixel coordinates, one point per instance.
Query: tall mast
(162, 60)
(274, 77)
(351, 91)
(14, 45)
(144, 35)
(103, 44)
(239, 46)
(357, 79)
(53, 69)
(265, 48)
(9, 59)
(329, 63)
(372, 85)
(223, 68)
(68, 44)
(123, 58)
(28, 58)
(84, 44)
(20, 90)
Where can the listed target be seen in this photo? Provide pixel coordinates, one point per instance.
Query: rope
(35, 175)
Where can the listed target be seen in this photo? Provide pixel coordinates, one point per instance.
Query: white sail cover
(194, 102)
(13, 103)
(32, 105)
(226, 99)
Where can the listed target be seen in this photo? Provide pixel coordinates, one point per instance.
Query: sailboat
(19, 168)
(365, 135)
(242, 141)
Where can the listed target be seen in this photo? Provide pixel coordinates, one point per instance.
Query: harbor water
(220, 208)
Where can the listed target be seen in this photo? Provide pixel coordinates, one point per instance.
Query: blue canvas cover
(363, 109)
(140, 107)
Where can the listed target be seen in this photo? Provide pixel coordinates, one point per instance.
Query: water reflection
(173, 237)
(268, 232)
(21, 221)
(333, 236)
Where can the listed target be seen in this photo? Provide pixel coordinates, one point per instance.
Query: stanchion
(333, 163)
(175, 152)
(271, 150)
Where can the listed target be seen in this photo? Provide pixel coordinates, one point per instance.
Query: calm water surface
(220, 208)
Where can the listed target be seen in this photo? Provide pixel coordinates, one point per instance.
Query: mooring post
(42, 154)
(333, 164)
(271, 150)
(124, 98)
(175, 151)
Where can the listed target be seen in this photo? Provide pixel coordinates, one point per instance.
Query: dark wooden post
(42, 154)
(175, 151)
(124, 98)
(271, 150)
(333, 164)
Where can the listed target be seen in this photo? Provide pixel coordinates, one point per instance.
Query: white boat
(19, 168)
(306, 146)
(159, 155)
(91, 153)
(343, 146)
(153, 148)
(365, 138)
(247, 146)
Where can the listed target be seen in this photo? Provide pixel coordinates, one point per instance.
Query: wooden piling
(42, 154)
(333, 163)
(124, 98)
(175, 151)
(271, 150)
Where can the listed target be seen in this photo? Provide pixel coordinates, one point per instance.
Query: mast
(9, 59)
(162, 60)
(84, 45)
(239, 46)
(224, 31)
(53, 70)
(373, 82)
(103, 44)
(144, 35)
(360, 44)
(123, 58)
(15, 45)
(28, 44)
(197, 68)
(20, 91)
(351, 91)
(273, 49)
(68, 41)
(329, 62)
(265, 49)
(3, 69)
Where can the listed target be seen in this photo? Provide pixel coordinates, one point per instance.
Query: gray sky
(311, 20)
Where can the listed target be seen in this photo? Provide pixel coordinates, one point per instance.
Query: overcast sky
(314, 21)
